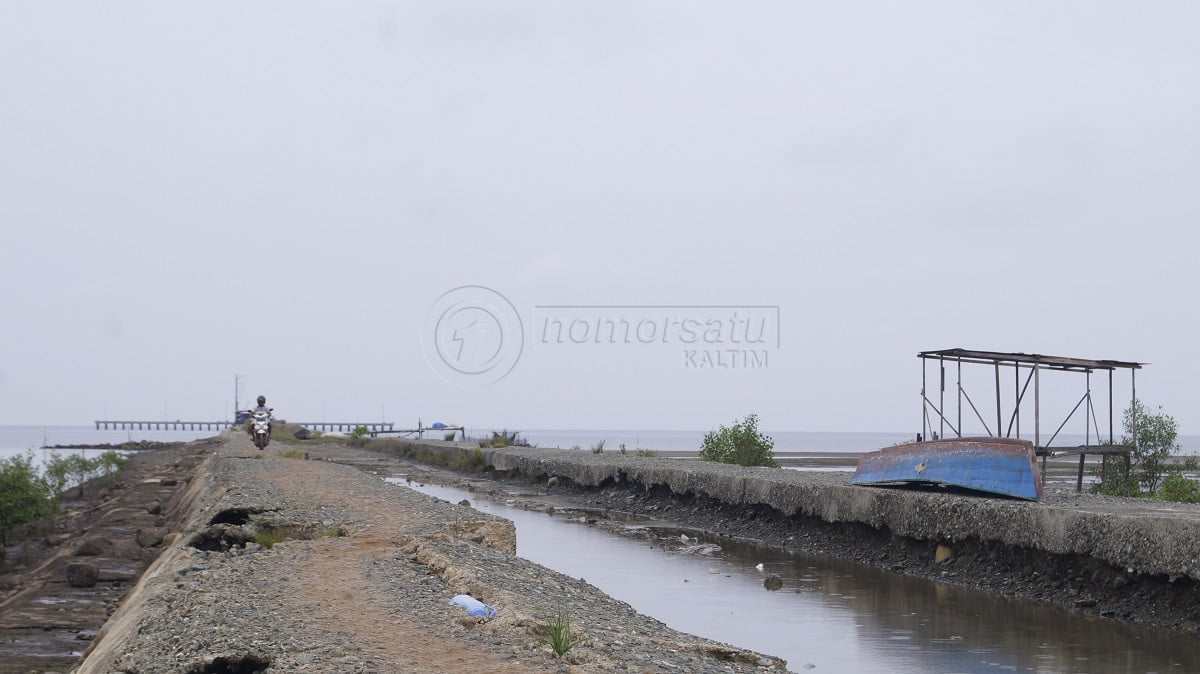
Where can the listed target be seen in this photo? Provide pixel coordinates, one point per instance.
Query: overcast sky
(287, 191)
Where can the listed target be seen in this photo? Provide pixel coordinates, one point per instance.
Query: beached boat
(1003, 466)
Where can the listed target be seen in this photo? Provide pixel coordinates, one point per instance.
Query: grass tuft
(558, 628)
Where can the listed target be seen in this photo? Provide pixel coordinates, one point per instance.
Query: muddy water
(835, 616)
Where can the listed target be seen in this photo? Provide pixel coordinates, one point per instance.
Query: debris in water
(759, 567)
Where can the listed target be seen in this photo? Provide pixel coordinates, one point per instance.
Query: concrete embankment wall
(1137, 535)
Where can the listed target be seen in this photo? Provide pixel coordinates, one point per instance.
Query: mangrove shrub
(740, 444)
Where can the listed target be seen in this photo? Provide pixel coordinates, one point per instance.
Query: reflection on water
(838, 616)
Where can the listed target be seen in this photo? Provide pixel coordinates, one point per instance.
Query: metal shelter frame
(1035, 364)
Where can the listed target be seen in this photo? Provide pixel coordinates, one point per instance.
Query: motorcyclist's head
(262, 400)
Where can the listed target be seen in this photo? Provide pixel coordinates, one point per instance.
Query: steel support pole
(998, 419)
(959, 385)
(1017, 397)
(1087, 429)
(942, 398)
(1037, 407)
(1133, 410)
(1110, 408)
(924, 415)
(1037, 416)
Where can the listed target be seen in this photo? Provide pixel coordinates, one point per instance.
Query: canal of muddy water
(821, 613)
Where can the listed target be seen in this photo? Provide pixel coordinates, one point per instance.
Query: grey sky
(285, 189)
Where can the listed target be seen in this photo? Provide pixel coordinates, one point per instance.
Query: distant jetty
(131, 446)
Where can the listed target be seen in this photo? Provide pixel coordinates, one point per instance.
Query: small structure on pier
(422, 429)
(1035, 364)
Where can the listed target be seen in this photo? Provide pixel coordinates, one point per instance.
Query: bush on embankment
(28, 495)
(740, 444)
(1155, 470)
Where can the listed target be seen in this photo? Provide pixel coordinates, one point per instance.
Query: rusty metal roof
(1053, 362)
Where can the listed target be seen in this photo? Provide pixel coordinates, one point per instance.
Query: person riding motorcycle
(262, 407)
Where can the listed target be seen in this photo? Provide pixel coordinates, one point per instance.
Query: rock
(10, 581)
(171, 538)
(93, 546)
(154, 508)
(82, 574)
(125, 549)
(942, 553)
(150, 537)
(1085, 603)
(552, 482)
(773, 583)
(169, 482)
(302, 434)
(55, 540)
(465, 502)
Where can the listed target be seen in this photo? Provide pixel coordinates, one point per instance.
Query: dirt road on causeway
(287, 564)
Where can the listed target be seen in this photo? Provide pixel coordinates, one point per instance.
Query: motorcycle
(262, 429)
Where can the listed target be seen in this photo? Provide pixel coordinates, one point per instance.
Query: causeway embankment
(1131, 559)
(287, 564)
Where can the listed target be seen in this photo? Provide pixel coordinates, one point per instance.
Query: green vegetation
(269, 534)
(642, 451)
(359, 436)
(1155, 471)
(468, 461)
(1176, 487)
(73, 470)
(292, 454)
(741, 443)
(558, 628)
(621, 448)
(504, 438)
(598, 448)
(449, 437)
(286, 434)
(27, 496)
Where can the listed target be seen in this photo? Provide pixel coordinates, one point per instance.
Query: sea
(15, 440)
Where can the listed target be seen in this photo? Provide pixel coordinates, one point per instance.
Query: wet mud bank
(1124, 559)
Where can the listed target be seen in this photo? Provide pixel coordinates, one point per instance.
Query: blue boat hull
(992, 465)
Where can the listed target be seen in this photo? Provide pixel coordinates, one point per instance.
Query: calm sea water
(17, 439)
(785, 441)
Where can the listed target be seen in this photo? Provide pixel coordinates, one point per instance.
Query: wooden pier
(163, 425)
(346, 426)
